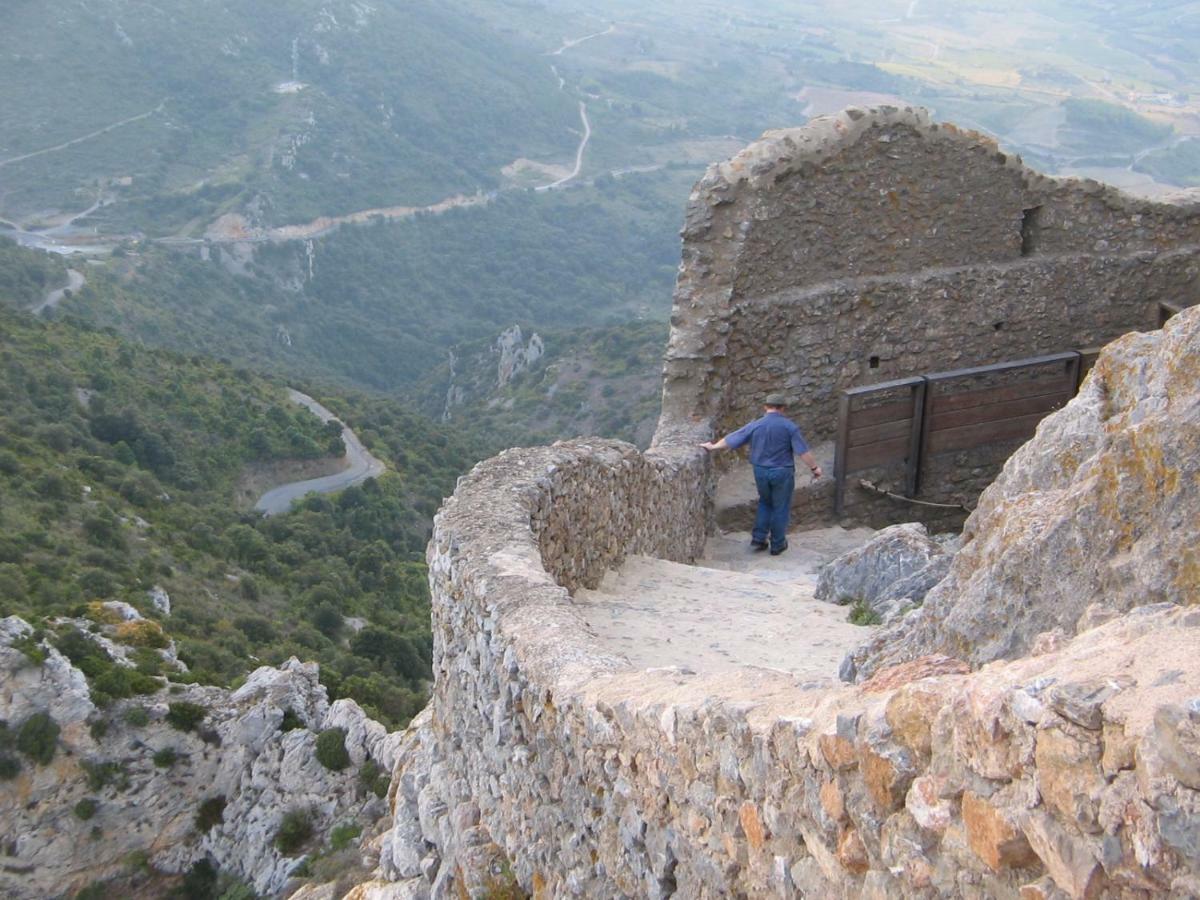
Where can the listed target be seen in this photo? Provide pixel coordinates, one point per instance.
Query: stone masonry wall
(882, 237)
(555, 767)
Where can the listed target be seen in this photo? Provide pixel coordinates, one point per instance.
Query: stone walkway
(733, 608)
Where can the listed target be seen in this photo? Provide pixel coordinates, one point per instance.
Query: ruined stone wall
(547, 763)
(870, 246)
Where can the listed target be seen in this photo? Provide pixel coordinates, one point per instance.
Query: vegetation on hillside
(117, 466)
(313, 107)
(386, 301)
(604, 381)
(26, 277)
(1097, 125)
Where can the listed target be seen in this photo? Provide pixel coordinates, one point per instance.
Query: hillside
(528, 387)
(118, 466)
(311, 108)
(381, 305)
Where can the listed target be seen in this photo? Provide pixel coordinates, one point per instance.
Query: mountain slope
(313, 107)
(117, 473)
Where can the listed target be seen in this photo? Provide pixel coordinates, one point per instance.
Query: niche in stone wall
(1031, 230)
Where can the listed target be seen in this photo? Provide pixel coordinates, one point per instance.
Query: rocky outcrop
(889, 575)
(139, 779)
(516, 355)
(1102, 505)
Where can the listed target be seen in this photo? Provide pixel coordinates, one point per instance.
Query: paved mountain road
(362, 466)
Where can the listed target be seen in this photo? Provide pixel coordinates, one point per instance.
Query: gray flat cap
(776, 399)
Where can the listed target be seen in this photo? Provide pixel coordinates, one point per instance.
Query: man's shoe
(775, 551)
(758, 546)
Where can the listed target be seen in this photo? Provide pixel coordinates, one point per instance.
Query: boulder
(890, 574)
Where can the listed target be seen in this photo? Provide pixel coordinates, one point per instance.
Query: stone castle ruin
(1032, 730)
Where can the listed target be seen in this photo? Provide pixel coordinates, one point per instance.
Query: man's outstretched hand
(710, 445)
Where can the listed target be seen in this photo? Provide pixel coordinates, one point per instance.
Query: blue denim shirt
(774, 440)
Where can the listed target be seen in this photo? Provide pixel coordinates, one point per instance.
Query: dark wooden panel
(885, 412)
(941, 420)
(970, 436)
(877, 454)
(984, 396)
(874, 433)
(1034, 362)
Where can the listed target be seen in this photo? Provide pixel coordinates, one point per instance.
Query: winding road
(86, 137)
(75, 281)
(362, 466)
(568, 44)
(587, 136)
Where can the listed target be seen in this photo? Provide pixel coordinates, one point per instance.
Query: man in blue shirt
(774, 441)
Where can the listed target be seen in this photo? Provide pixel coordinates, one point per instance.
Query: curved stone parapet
(548, 764)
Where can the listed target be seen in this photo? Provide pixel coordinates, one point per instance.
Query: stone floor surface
(733, 608)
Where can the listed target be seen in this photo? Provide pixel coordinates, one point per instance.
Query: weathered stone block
(852, 853)
(752, 826)
(1178, 737)
(832, 800)
(994, 836)
(839, 752)
(1069, 860)
(911, 712)
(1069, 776)
(925, 804)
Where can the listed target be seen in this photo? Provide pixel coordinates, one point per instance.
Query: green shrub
(98, 729)
(166, 757)
(85, 808)
(32, 649)
(101, 774)
(137, 716)
(97, 890)
(210, 814)
(200, 882)
(373, 779)
(119, 682)
(295, 829)
(342, 835)
(37, 738)
(291, 721)
(185, 716)
(328, 620)
(10, 767)
(862, 614)
(331, 749)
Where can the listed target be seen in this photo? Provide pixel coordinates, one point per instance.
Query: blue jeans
(775, 486)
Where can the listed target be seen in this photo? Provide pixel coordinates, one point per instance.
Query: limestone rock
(160, 599)
(237, 758)
(1102, 504)
(54, 686)
(890, 574)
